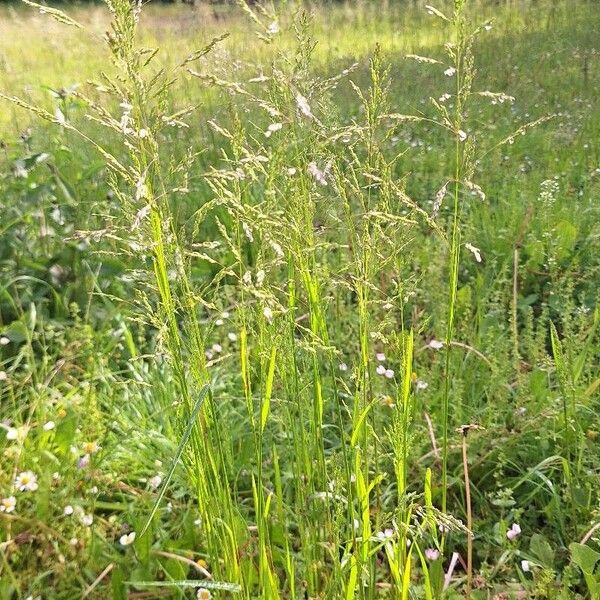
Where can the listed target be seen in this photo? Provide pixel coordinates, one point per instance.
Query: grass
(303, 330)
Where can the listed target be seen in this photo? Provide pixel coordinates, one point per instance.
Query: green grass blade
(186, 435)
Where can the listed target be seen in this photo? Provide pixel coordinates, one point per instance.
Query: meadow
(299, 300)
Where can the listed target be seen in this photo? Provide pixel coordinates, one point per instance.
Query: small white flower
(476, 252)
(26, 481)
(74, 541)
(421, 385)
(273, 28)
(217, 348)
(386, 534)
(127, 539)
(142, 133)
(154, 482)
(525, 566)
(450, 71)
(49, 426)
(232, 337)
(203, 594)
(380, 370)
(304, 107)
(487, 26)
(3, 376)
(444, 97)
(317, 173)
(343, 367)
(225, 314)
(68, 510)
(462, 135)
(17, 433)
(514, 531)
(291, 171)
(90, 447)
(380, 356)
(4, 341)
(436, 344)
(219, 322)
(8, 505)
(432, 554)
(272, 128)
(389, 373)
(87, 520)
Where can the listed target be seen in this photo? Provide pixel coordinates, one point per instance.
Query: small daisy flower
(8, 505)
(203, 594)
(49, 426)
(380, 370)
(514, 531)
(232, 337)
(380, 356)
(291, 171)
(26, 481)
(450, 72)
(389, 373)
(4, 341)
(421, 385)
(343, 367)
(436, 345)
(68, 510)
(525, 566)
(443, 98)
(74, 541)
(217, 348)
(127, 539)
(90, 447)
(432, 554)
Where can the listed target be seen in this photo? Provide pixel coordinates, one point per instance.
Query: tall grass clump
(299, 429)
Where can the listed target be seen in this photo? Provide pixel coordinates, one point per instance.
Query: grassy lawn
(307, 311)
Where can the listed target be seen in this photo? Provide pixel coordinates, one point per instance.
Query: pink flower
(432, 554)
(514, 531)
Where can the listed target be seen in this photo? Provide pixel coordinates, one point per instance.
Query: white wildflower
(317, 173)
(127, 539)
(304, 107)
(476, 252)
(8, 505)
(450, 72)
(26, 481)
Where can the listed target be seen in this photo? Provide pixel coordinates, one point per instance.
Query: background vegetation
(271, 267)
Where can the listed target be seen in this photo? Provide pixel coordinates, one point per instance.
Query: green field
(307, 310)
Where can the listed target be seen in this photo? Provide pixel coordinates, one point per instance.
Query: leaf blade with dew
(186, 435)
